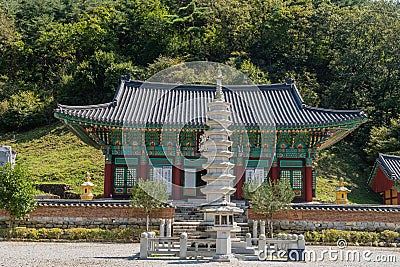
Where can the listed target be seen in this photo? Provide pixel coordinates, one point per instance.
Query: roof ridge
(103, 105)
(387, 168)
(354, 111)
(135, 83)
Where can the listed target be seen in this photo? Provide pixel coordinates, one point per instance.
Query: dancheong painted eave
(143, 104)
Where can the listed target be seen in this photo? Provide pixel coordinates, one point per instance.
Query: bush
(332, 236)
(23, 110)
(83, 234)
(388, 236)
(76, 233)
(313, 236)
(25, 233)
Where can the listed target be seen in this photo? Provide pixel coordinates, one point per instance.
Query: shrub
(25, 233)
(388, 236)
(24, 109)
(313, 236)
(332, 235)
(76, 233)
(54, 233)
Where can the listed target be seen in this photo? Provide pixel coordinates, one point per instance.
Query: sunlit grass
(54, 155)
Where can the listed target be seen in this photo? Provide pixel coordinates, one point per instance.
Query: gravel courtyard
(107, 254)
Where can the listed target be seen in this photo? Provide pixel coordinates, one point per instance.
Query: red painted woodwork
(108, 180)
(143, 172)
(381, 182)
(240, 177)
(176, 183)
(274, 173)
(308, 184)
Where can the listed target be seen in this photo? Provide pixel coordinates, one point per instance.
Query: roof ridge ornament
(126, 77)
(289, 81)
(218, 94)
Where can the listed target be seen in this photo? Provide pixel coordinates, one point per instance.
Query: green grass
(338, 161)
(54, 155)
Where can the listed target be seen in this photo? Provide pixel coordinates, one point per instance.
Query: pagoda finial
(87, 176)
(218, 94)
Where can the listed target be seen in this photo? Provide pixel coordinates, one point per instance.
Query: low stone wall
(301, 220)
(89, 216)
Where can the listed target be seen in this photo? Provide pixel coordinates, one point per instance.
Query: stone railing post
(183, 246)
(169, 227)
(301, 243)
(162, 227)
(144, 245)
(262, 227)
(248, 240)
(262, 247)
(293, 244)
(255, 230)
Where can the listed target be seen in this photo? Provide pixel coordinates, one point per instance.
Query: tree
(268, 198)
(384, 139)
(149, 195)
(16, 192)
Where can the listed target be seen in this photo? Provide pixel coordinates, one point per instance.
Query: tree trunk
(147, 220)
(270, 227)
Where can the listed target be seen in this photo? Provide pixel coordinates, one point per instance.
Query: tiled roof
(390, 165)
(138, 103)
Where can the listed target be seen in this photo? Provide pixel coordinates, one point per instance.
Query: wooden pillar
(274, 171)
(108, 177)
(240, 177)
(176, 182)
(308, 181)
(143, 168)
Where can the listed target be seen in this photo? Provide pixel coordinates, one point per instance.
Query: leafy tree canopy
(16, 191)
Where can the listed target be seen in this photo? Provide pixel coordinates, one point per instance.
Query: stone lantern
(341, 192)
(87, 188)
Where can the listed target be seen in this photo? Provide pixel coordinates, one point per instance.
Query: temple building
(385, 178)
(155, 130)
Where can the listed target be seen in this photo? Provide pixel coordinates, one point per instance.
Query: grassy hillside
(343, 161)
(54, 155)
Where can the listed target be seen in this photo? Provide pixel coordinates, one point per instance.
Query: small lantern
(341, 193)
(87, 188)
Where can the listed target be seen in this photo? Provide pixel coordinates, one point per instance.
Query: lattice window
(297, 180)
(130, 177)
(294, 176)
(125, 177)
(119, 177)
(314, 183)
(285, 175)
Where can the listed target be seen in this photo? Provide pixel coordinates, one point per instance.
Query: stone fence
(303, 218)
(89, 214)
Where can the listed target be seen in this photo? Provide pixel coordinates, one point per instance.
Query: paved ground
(105, 254)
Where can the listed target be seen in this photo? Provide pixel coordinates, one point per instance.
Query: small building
(7, 155)
(385, 178)
(156, 131)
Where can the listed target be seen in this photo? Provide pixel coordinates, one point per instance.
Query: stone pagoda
(219, 210)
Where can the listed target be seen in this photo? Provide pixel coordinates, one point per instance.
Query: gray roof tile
(139, 103)
(390, 164)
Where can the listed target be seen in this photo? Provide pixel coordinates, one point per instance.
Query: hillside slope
(54, 155)
(338, 161)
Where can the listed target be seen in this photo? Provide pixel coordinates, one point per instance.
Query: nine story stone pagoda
(155, 130)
